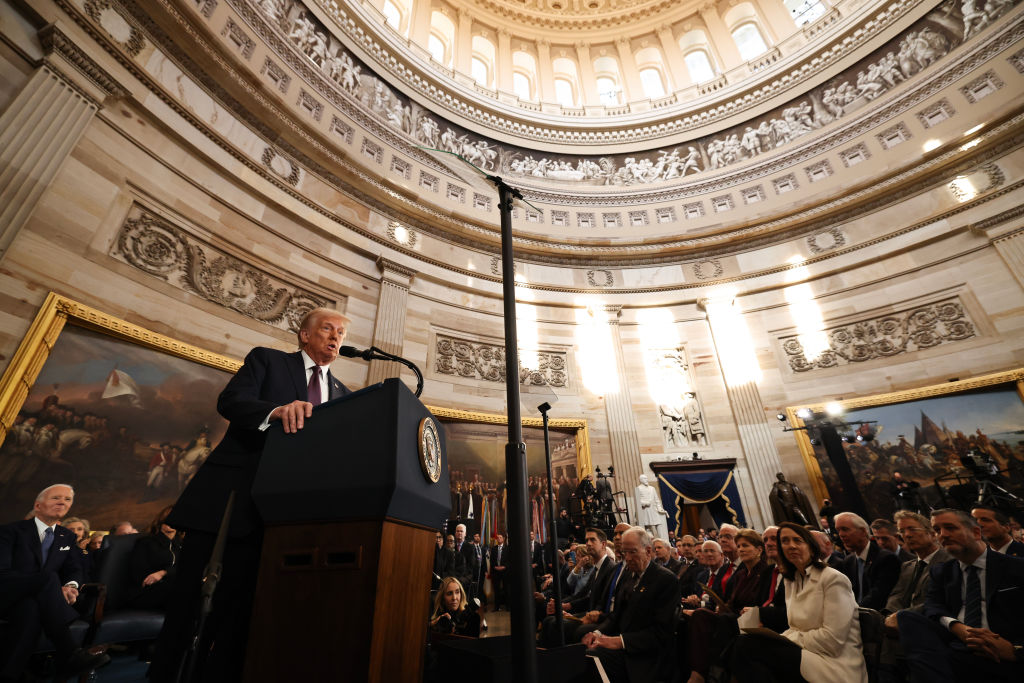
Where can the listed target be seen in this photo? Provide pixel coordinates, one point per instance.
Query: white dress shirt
(41, 530)
(309, 364)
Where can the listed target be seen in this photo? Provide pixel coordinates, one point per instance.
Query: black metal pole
(524, 643)
(555, 571)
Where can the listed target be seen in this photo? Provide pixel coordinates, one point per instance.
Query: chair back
(113, 570)
(872, 635)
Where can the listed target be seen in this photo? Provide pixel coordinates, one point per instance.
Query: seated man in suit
(271, 386)
(633, 642)
(886, 535)
(828, 550)
(40, 572)
(663, 556)
(872, 570)
(586, 606)
(995, 530)
(690, 565)
(971, 627)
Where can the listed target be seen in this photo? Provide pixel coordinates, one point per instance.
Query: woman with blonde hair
(452, 614)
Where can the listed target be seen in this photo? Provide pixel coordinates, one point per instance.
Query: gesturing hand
(292, 415)
(70, 594)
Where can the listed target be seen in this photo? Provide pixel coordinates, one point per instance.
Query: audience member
(833, 557)
(971, 627)
(824, 631)
(151, 567)
(452, 615)
(690, 566)
(80, 527)
(995, 531)
(872, 570)
(123, 529)
(632, 643)
(885, 534)
(466, 567)
(663, 556)
(713, 573)
(499, 565)
(40, 573)
(727, 541)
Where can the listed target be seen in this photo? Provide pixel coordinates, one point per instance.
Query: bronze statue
(789, 504)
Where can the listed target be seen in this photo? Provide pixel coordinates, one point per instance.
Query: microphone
(353, 352)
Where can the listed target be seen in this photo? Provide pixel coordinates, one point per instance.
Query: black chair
(872, 634)
(116, 621)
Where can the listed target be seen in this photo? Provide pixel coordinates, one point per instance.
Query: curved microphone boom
(374, 353)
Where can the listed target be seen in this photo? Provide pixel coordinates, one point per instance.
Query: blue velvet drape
(715, 489)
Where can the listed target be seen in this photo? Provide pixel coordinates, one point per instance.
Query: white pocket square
(67, 547)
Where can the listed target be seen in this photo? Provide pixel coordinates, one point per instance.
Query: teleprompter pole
(524, 643)
(553, 535)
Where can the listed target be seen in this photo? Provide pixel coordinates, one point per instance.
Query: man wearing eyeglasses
(911, 589)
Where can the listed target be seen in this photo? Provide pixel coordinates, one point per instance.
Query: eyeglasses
(912, 529)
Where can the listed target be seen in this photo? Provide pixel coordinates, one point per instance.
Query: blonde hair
(439, 598)
(313, 315)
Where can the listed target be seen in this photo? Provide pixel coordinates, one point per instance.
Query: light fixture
(968, 145)
(929, 145)
(834, 408)
(804, 413)
(781, 417)
(975, 129)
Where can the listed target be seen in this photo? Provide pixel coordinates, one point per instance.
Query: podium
(350, 519)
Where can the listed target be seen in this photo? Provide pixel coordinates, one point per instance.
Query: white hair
(714, 544)
(728, 526)
(458, 526)
(858, 521)
(641, 535)
(42, 494)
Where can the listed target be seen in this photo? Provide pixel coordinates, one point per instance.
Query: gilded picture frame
(1008, 383)
(99, 389)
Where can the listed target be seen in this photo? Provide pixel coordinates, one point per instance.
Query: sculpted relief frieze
(166, 251)
(682, 420)
(482, 360)
(926, 42)
(892, 334)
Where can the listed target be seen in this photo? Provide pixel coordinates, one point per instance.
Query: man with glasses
(690, 566)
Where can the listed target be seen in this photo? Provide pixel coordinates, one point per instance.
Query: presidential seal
(430, 449)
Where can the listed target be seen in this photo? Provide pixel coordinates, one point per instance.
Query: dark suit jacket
(268, 379)
(645, 618)
(688, 579)
(1004, 594)
(881, 572)
(466, 567)
(595, 594)
(21, 559)
(1016, 549)
(898, 597)
(673, 565)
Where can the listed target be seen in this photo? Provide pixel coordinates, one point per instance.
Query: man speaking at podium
(270, 386)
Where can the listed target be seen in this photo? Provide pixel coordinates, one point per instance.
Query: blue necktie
(47, 543)
(860, 578)
(972, 606)
(611, 589)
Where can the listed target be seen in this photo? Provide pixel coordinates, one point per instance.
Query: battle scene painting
(925, 440)
(124, 424)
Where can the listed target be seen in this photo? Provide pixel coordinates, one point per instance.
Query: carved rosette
(164, 250)
(890, 335)
(485, 361)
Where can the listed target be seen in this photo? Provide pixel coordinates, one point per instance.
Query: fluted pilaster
(389, 327)
(618, 406)
(1010, 248)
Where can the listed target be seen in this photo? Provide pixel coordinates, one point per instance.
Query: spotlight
(815, 442)
(803, 413)
(781, 417)
(846, 438)
(834, 408)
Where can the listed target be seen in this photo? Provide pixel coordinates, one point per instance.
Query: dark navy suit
(935, 654)
(30, 591)
(268, 379)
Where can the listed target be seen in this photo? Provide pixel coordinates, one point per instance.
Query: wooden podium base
(341, 601)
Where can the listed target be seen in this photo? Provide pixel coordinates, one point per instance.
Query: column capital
(543, 43)
(395, 273)
(707, 302)
(582, 45)
(503, 33)
(708, 7)
(86, 76)
(665, 30)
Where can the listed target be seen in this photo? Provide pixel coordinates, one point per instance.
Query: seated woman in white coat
(822, 643)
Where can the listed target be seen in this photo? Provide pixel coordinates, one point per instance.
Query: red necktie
(313, 390)
(725, 577)
(771, 590)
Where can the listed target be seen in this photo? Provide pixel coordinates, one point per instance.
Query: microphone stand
(211, 576)
(555, 569)
(374, 353)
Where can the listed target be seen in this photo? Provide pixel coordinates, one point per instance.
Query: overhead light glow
(929, 145)
(834, 408)
(596, 352)
(806, 313)
(664, 365)
(963, 189)
(972, 131)
(804, 413)
(735, 345)
(968, 145)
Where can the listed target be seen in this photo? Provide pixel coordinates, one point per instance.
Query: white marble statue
(650, 514)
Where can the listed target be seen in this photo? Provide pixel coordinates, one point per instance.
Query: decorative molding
(343, 129)
(283, 167)
(401, 167)
(166, 251)
(115, 26)
(981, 87)
(885, 335)
(55, 41)
(372, 150)
(819, 171)
(682, 419)
(936, 113)
(707, 270)
(600, 278)
(1017, 60)
(786, 183)
(893, 136)
(482, 360)
(429, 181)
(994, 177)
(239, 37)
(206, 7)
(310, 104)
(277, 75)
(833, 238)
(854, 155)
(400, 234)
(753, 195)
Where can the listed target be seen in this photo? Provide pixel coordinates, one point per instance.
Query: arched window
(522, 86)
(699, 66)
(482, 61)
(606, 71)
(564, 92)
(749, 41)
(392, 14)
(524, 75)
(652, 82)
(442, 37)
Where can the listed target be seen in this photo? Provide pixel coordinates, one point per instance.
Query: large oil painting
(941, 439)
(476, 462)
(124, 415)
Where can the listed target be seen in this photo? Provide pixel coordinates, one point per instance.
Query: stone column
(419, 31)
(43, 124)
(760, 456)
(589, 80)
(464, 42)
(546, 88)
(720, 37)
(678, 72)
(1010, 246)
(618, 407)
(389, 327)
(504, 65)
(634, 89)
(777, 19)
